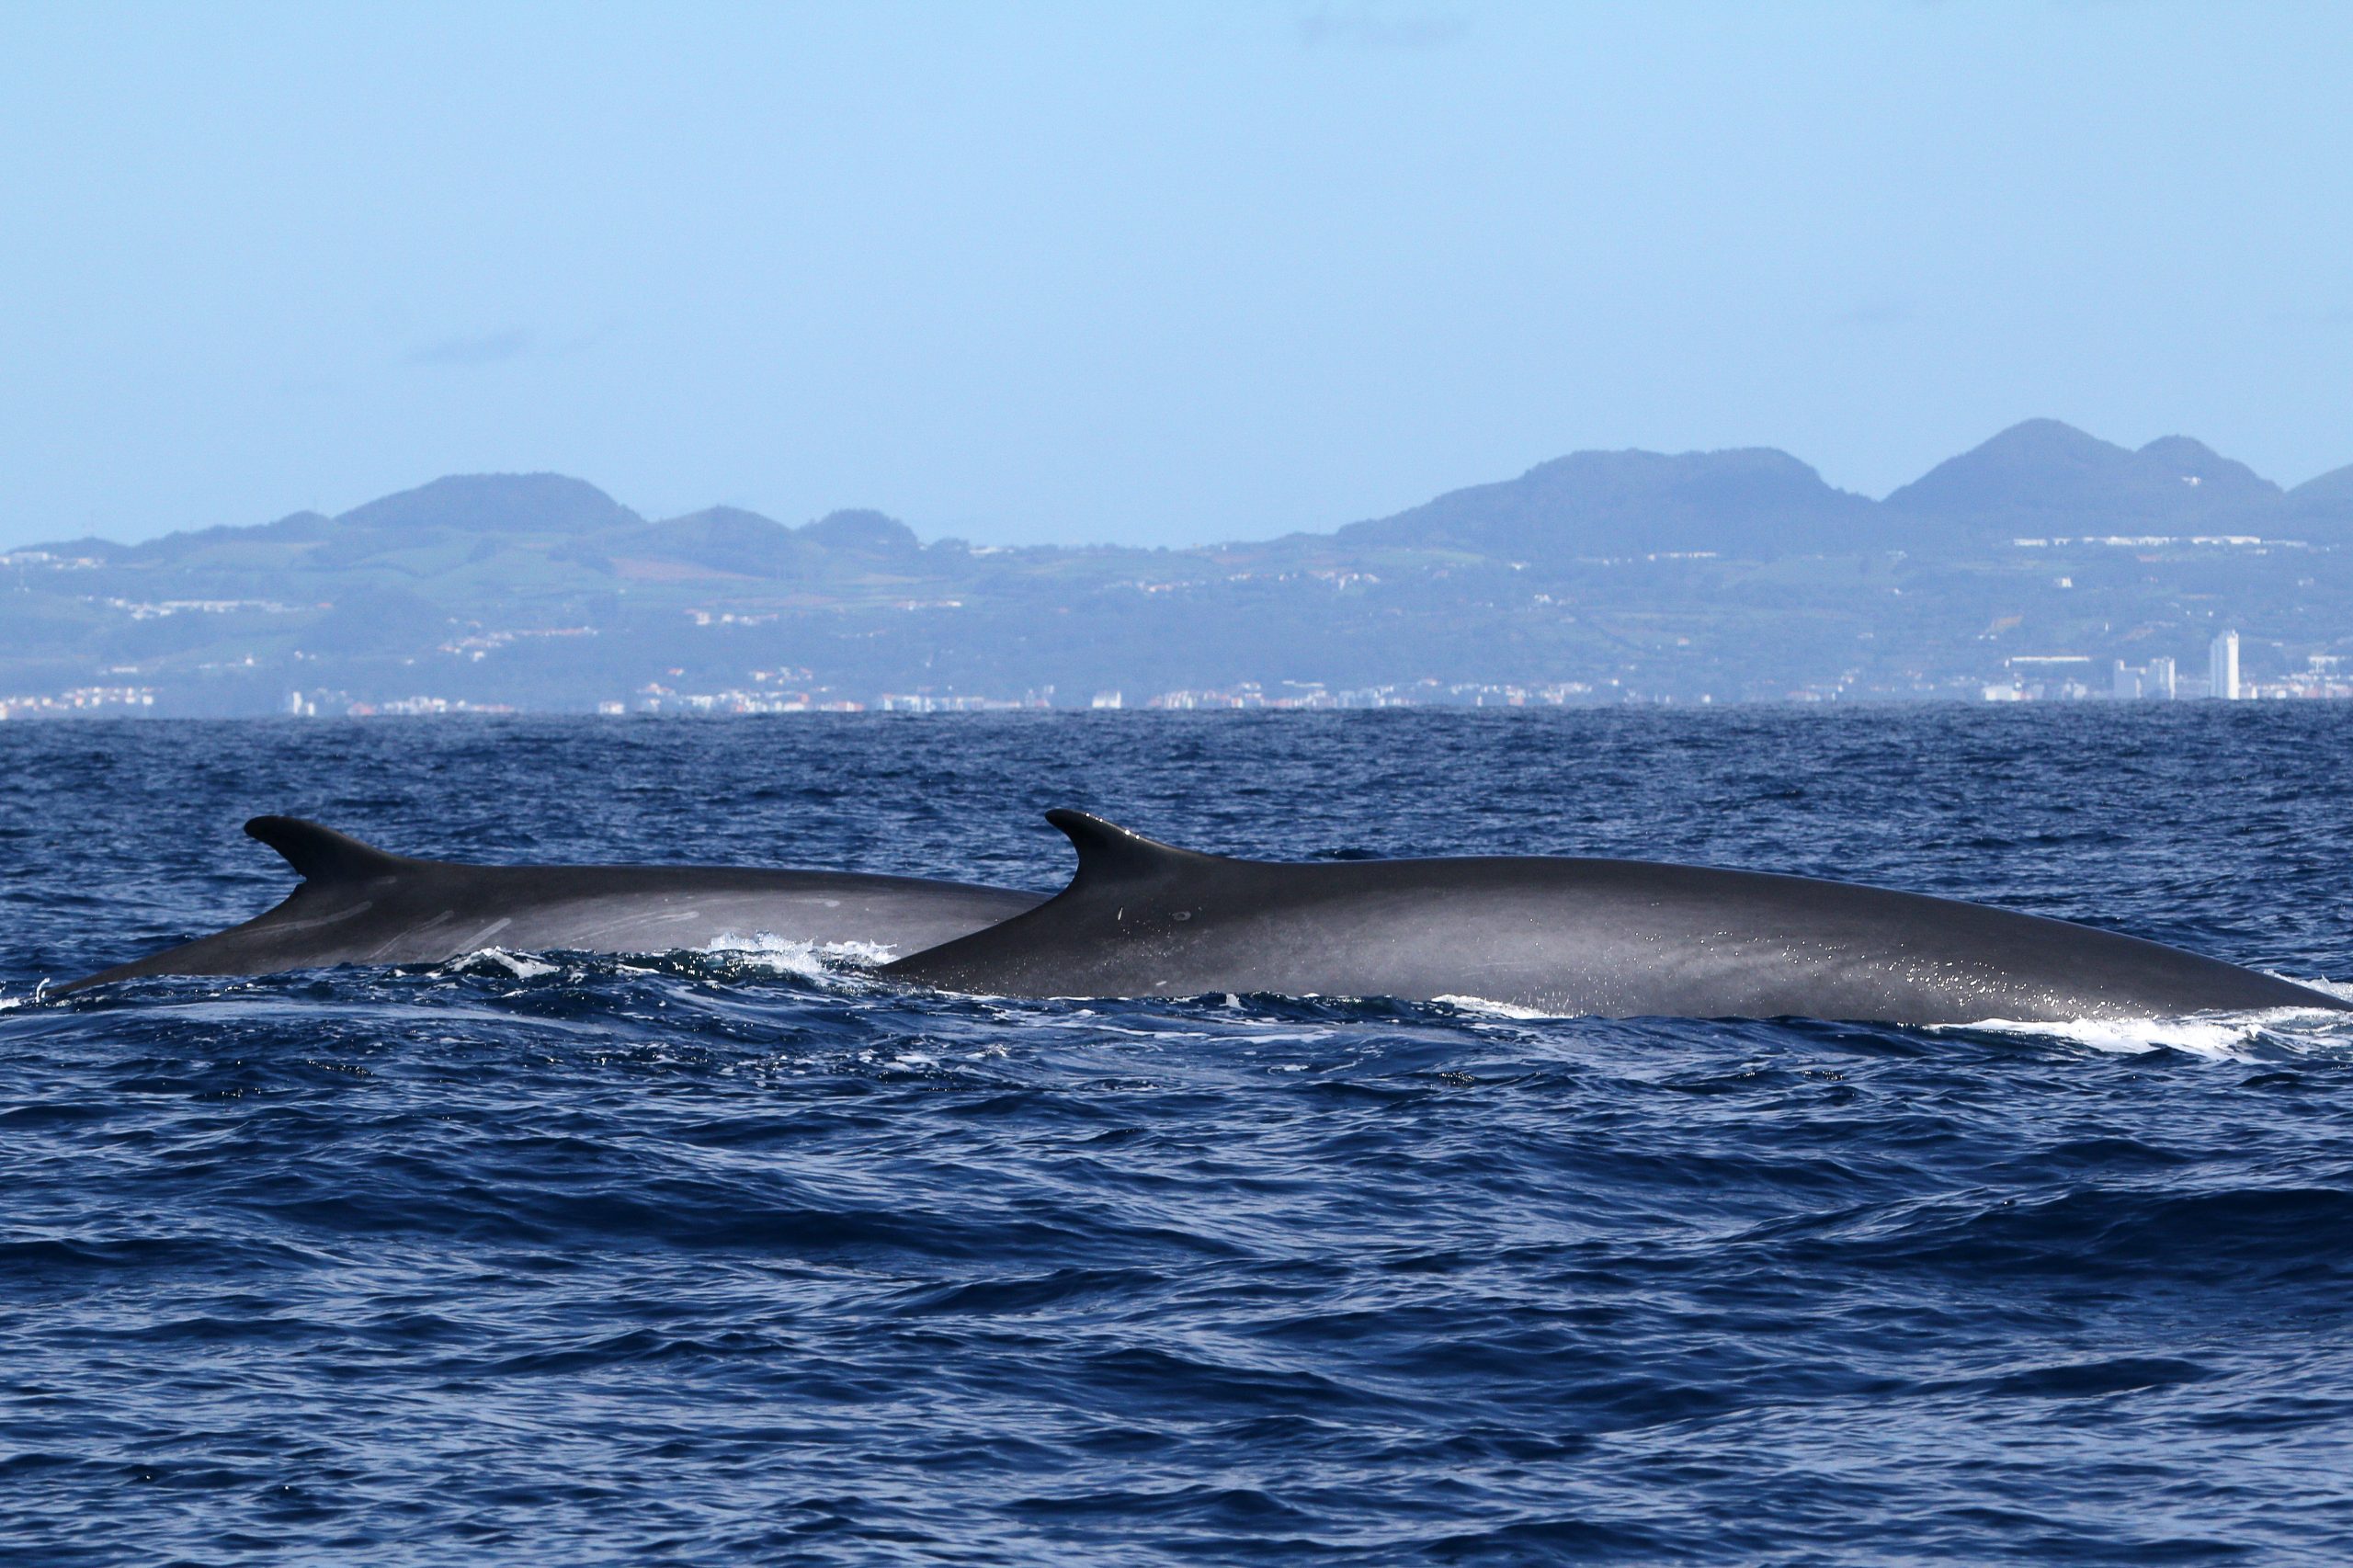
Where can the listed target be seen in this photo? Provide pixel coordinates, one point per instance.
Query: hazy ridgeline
(1598, 577)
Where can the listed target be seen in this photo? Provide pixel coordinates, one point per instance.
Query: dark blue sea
(746, 1257)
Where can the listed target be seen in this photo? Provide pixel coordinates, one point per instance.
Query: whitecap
(1487, 1008)
(517, 964)
(2230, 1037)
(2340, 989)
(809, 960)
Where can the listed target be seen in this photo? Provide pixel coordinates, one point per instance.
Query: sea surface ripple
(740, 1257)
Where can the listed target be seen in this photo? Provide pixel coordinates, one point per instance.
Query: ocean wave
(749, 1255)
(2236, 1037)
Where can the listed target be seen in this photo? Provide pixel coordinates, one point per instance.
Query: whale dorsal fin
(322, 854)
(1109, 854)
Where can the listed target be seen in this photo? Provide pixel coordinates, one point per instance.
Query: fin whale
(358, 904)
(1610, 937)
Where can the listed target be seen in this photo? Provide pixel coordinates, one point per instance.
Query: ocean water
(745, 1256)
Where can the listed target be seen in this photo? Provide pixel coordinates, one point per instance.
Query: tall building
(2157, 681)
(2127, 681)
(2222, 667)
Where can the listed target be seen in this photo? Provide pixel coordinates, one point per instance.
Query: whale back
(1568, 936)
(359, 904)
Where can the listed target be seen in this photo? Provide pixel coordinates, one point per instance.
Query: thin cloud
(486, 349)
(1875, 313)
(1367, 24)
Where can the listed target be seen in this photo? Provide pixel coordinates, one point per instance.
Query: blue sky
(1157, 273)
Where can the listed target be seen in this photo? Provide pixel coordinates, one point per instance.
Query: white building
(2153, 680)
(2222, 667)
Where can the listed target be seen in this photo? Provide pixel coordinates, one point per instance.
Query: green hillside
(1599, 577)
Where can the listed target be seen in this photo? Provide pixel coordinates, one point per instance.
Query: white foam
(810, 961)
(1491, 1009)
(2340, 989)
(516, 964)
(2221, 1041)
(2219, 1037)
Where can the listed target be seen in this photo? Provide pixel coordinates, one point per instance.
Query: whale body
(1617, 939)
(358, 904)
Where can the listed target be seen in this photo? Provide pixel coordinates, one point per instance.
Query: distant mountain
(731, 540)
(461, 507)
(862, 532)
(2321, 510)
(1722, 574)
(718, 538)
(2043, 478)
(2334, 487)
(1754, 503)
(494, 503)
